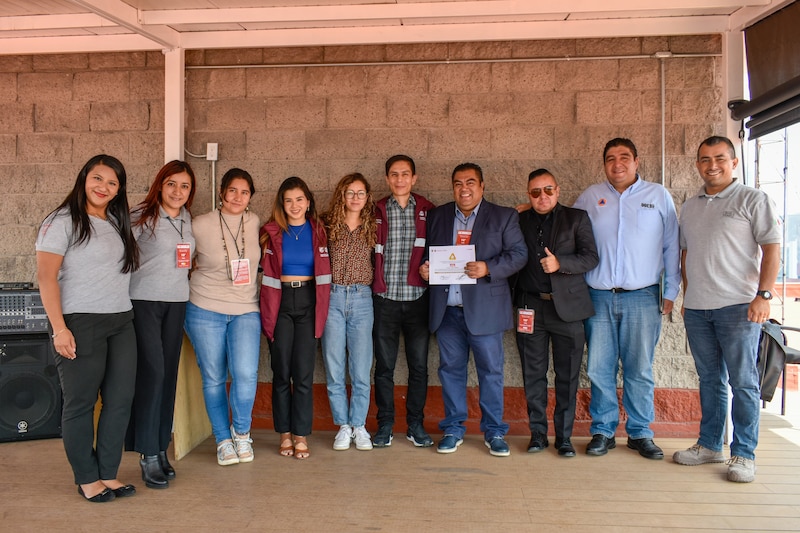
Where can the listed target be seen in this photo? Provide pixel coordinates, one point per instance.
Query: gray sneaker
(697, 455)
(226, 453)
(244, 446)
(741, 470)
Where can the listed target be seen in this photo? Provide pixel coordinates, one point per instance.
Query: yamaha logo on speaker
(22, 426)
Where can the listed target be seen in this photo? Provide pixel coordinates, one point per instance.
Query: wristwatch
(764, 294)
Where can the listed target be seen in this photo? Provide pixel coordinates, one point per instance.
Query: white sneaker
(343, 438)
(362, 438)
(244, 446)
(226, 453)
(697, 455)
(741, 470)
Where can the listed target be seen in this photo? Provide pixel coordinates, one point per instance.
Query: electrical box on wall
(212, 151)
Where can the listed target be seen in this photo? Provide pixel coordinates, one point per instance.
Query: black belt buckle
(617, 290)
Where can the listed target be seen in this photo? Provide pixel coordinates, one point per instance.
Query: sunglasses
(537, 192)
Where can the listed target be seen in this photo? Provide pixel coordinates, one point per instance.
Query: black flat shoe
(124, 491)
(152, 474)
(106, 496)
(169, 472)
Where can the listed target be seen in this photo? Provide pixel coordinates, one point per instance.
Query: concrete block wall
(57, 111)
(322, 112)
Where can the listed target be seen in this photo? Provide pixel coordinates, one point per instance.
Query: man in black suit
(475, 316)
(552, 299)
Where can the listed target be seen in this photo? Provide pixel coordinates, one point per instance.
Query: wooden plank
(191, 424)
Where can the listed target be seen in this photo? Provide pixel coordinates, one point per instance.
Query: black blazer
(574, 246)
(498, 241)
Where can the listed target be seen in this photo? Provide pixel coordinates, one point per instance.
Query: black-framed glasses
(350, 194)
(537, 192)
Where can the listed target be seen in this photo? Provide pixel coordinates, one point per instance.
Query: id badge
(183, 255)
(463, 236)
(525, 321)
(240, 271)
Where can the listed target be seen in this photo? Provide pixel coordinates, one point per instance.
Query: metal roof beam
(126, 16)
(500, 31)
(428, 10)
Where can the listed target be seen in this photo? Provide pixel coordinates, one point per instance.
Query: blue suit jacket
(499, 242)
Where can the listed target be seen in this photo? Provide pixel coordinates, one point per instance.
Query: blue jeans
(226, 343)
(624, 329)
(455, 341)
(348, 338)
(724, 345)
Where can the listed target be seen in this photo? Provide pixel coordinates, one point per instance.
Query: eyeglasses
(353, 194)
(537, 192)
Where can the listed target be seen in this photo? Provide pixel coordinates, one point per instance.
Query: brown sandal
(301, 450)
(286, 449)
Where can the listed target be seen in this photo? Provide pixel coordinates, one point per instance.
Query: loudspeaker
(30, 393)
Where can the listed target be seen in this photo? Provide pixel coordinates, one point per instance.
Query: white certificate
(448, 264)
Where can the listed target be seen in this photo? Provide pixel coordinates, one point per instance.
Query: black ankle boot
(152, 475)
(169, 472)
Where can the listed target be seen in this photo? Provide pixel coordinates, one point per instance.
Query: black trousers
(391, 319)
(294, 352)
(159, 335)
(105, 363)
(568, 341)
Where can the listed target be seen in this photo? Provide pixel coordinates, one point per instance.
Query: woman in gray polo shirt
(85, 253)
(159, 291)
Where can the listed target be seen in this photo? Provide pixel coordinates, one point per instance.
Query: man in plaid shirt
(400, 299)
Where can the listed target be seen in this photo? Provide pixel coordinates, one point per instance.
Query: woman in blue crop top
(294, 305)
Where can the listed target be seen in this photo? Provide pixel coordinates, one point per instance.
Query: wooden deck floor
(403, 488)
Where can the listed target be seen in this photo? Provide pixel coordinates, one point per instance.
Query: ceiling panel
(36, 26)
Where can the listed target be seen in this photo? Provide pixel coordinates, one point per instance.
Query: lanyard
(180, 231)
(241, 252)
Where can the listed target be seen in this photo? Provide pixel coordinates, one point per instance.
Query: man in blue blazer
(475, 316)
(561, 248)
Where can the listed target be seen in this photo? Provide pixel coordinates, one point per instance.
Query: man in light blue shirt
(636, 231)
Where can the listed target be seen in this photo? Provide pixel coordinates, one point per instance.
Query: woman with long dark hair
(347, 341)
(295, 291)
(222, 318)
(85, 254)
(162, 225)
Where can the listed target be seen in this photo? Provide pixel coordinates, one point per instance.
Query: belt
(542, 295)
(295, 284)
(617, 290)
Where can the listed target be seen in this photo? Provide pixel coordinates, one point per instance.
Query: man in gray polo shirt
(726, 298)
